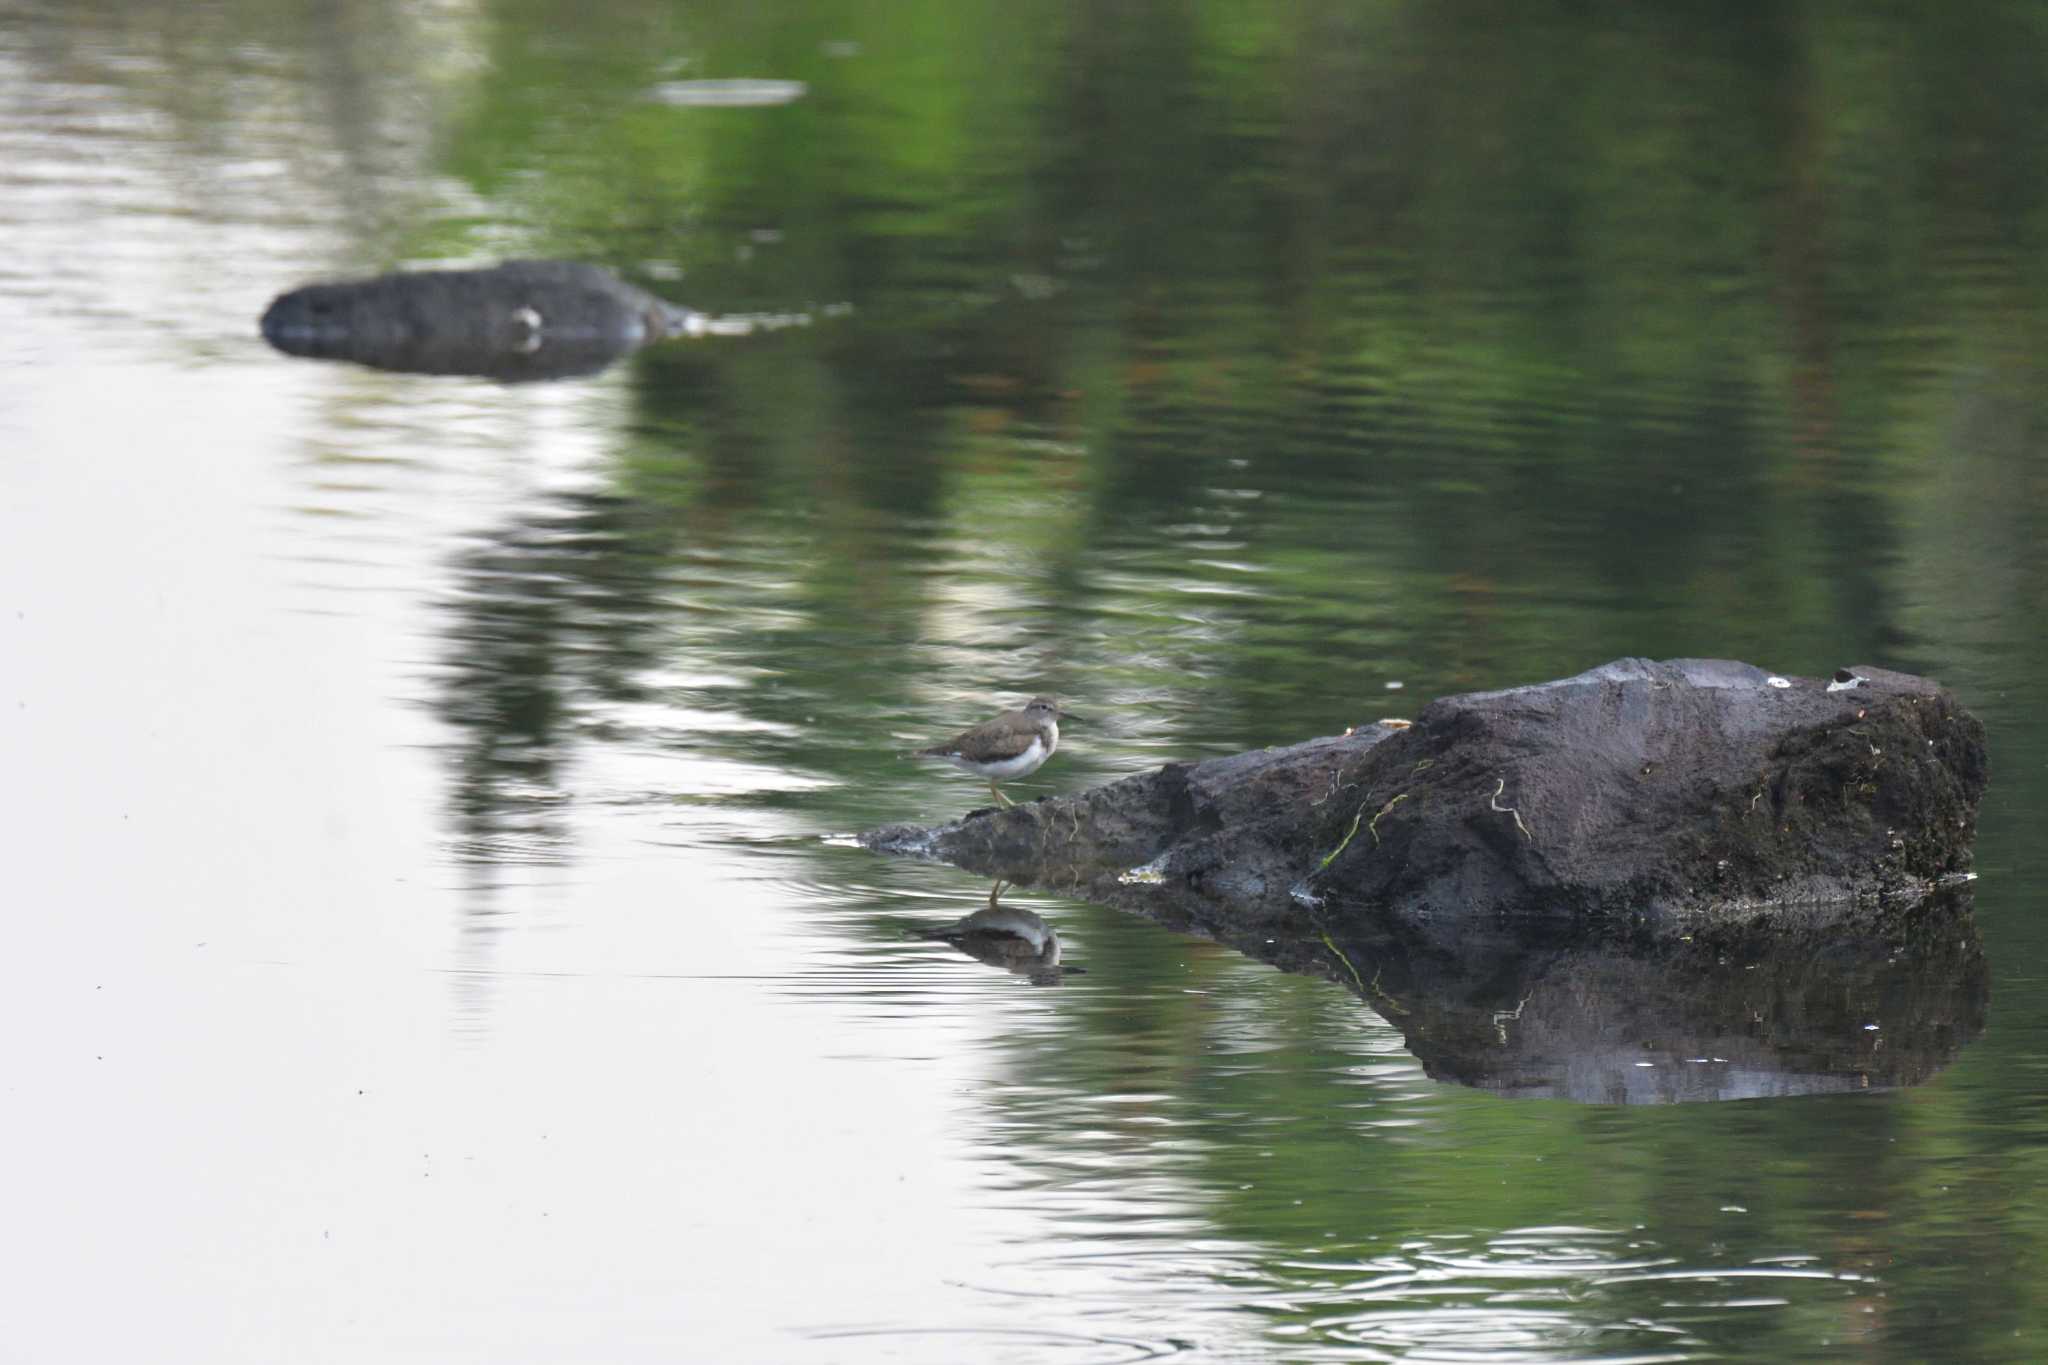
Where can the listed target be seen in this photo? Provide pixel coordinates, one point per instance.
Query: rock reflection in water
(1811, 1000)
(1008, 937)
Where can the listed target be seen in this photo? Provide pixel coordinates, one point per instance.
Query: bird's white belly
(1003, 769)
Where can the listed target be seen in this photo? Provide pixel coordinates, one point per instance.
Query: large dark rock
(1652, 882)
(1656, 796)
(518, 321)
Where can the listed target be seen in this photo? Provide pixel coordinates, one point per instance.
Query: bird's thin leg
(997, 792)
(995, 891)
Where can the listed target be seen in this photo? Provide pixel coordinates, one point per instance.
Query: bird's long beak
(1069, 715)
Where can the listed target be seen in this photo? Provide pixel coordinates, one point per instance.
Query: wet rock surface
(523, 320)
(1651, 796)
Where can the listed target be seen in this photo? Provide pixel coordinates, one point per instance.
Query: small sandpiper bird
(1011, 745)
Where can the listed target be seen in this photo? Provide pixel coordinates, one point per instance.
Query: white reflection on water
(738, 93)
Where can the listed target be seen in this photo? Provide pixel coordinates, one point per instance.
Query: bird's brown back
(1007, 736)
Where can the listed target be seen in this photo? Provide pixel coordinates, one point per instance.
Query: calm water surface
(424, 939)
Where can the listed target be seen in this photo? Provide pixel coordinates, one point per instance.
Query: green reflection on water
(1216, 374)
(1215, 371)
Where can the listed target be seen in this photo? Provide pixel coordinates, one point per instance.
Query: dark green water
(424, 943)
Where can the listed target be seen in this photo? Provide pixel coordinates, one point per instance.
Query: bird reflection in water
(1008, 937)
